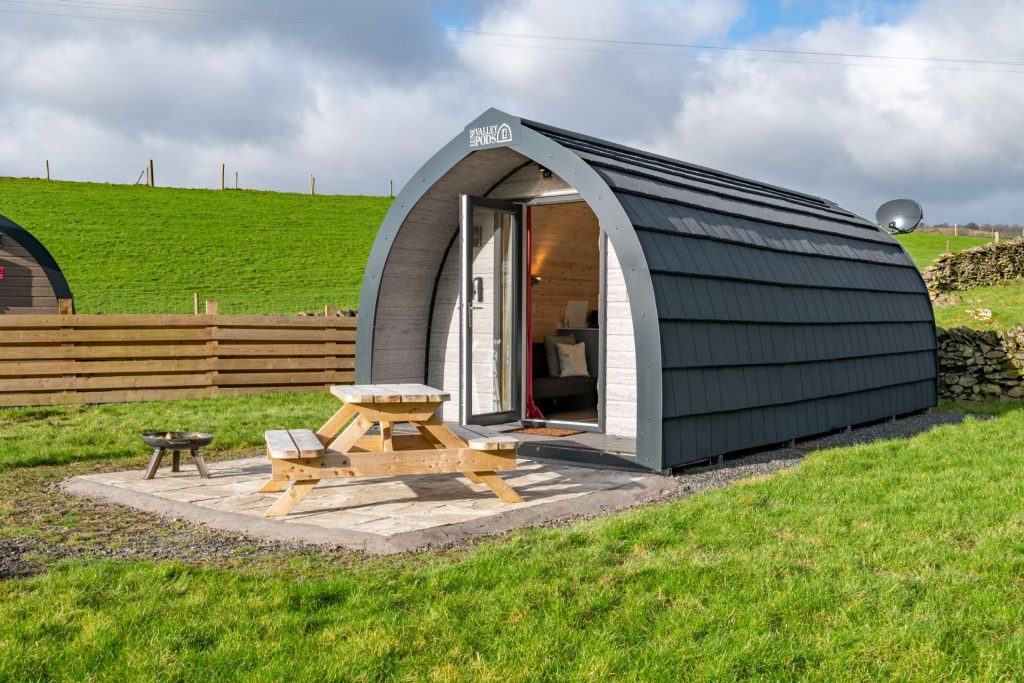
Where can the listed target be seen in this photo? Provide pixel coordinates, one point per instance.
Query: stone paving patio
(384, 515)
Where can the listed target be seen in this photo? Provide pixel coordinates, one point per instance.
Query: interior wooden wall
(567, 257)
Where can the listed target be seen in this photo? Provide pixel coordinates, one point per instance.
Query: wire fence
(222, 177)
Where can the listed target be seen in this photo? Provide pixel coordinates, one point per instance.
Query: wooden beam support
(395, 463)
(502, 490)
(292, 497)
(348, 438)
(334, 425)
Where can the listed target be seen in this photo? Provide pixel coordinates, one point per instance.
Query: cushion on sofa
(550, 344)
(572, 360)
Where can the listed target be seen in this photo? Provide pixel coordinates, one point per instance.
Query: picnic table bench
(343, 446)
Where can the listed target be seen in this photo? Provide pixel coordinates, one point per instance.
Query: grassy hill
(926, 247)
(134, 249)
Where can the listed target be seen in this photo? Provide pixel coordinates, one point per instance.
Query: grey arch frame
(41, 254)
(614, 223)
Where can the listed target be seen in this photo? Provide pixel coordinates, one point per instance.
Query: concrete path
(380, 516)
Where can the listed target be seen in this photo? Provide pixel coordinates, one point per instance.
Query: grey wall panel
(675, 254)
(694, 438)
(773, 327)
(683, 297)
(704, 390)
(714, 343)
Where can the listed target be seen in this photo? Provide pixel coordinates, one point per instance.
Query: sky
(858, 101)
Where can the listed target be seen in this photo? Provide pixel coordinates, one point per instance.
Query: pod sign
(490, 135)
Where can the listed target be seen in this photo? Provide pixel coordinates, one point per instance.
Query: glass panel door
(491, 310)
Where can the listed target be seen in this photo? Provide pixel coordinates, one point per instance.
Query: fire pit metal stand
(176, 442)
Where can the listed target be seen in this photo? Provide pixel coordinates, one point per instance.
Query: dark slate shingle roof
(781, 314)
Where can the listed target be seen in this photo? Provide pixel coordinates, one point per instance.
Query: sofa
(563, 392)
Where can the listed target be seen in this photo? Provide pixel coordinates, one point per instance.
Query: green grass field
(128, 249)
(54, 435)
(1005, 301)
(925, 247)
(899, 560)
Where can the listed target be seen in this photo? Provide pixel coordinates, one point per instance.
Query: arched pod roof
(11, 230)
(760, 313)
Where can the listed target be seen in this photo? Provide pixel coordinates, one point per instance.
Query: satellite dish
(899, 216)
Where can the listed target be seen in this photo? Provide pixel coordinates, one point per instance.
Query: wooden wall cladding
(24, 287)
(56, 359)
(567, 258)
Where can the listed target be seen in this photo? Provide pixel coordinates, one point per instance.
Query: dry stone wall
(988, 264)
(976, 364)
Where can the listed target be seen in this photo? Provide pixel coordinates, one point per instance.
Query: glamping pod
(30, 279)
(665, 312)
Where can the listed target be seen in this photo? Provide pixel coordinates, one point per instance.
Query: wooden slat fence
(54, 359)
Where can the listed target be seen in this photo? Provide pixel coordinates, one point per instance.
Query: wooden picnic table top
(389, 393)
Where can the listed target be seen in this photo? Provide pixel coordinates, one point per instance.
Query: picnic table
(344, 446)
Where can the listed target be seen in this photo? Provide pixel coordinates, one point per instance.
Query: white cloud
(358, 104)
(860, 135)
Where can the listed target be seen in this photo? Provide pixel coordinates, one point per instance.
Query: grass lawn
(925, 247)
(899, 559)
(128, 249)
(1005, 301)
(53, 435)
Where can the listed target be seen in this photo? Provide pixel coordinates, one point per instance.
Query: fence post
(330, 311)
(391, 189)
(212, 307)
(312, 184)
(212, 359)
(222, 176)
(236, 180)
(47, 169)
(996, 236)
(195, 303)
(152, 180)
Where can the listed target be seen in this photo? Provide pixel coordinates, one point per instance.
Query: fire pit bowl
(161, 442)
(177, 440)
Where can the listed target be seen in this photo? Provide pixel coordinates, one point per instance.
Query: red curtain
(532, 411)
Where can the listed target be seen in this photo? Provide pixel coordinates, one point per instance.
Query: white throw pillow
(572, 360)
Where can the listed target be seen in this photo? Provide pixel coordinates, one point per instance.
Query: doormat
(546, 431)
